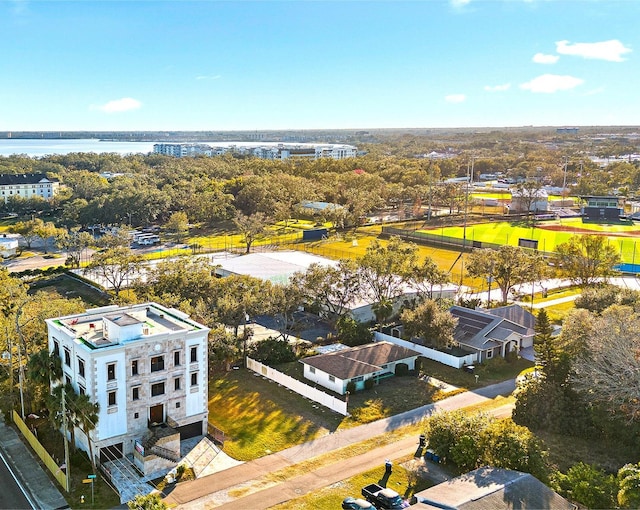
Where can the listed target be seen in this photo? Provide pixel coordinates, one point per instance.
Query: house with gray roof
(490, 488)
(334, 370)
(494, 332)
(27, 186)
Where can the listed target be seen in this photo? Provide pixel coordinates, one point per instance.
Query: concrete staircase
(202, 456)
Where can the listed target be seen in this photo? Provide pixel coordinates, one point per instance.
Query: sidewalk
(42, 491)
(214, 490)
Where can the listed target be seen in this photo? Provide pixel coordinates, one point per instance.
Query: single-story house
(334, 370)
(8, 246)
(525, 201)
(494, 332)
(494, 488)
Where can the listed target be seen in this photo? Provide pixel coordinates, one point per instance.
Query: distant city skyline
(242, 65)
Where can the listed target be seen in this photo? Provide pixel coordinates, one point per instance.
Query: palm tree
(44, 367)
(85, 417)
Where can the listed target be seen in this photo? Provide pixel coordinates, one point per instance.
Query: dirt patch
(580, 230)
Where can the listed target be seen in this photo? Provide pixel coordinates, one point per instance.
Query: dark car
(357, 504)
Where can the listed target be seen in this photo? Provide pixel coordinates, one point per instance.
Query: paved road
(12, 494)
(213, 490)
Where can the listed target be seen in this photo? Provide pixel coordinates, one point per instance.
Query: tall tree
(385, 269)
(330, 289)
(587, 259)
(117, 266)
(508, 266)
(251, 228)
(608, 373)
(430, 322)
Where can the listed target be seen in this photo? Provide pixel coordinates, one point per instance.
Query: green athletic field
(549, 234)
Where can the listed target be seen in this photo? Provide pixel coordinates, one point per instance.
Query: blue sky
(212, 65)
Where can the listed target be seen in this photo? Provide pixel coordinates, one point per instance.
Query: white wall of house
(324, 379)
(427, 352)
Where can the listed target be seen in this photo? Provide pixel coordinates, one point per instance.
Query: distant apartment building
(262, 151)
(182, 150)
(27, 186)
(145, 365)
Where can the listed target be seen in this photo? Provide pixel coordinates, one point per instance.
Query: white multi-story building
(27, 186)
(145, 365)
(262, 151)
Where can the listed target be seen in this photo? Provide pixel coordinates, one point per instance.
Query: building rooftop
(108, 326)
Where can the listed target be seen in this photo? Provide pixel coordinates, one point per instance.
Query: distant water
(43, 147)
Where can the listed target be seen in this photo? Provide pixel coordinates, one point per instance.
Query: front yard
(260, 417)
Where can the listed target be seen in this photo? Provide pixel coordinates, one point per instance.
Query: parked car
(384, 498)
(356, 504)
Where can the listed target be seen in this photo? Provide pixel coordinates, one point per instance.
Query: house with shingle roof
(27, 186)
(334, 370)
(489, 488)
(494, 332)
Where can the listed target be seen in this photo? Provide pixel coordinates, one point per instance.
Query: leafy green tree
(384, 270)
(431, 323)
(351, 332)
(445, 429)
(117, 266)
(178, 225)
(222, 346)
(29, 230)
(272, 351)
(587, 485)
(329, 289)
(629, 484)
(598, 298)
(586, 259)
(44, 367)
(424, 276)
(283, 303)
(508, 266)
(251, 228)
(511, 446)
(74, 243)
(84, 415)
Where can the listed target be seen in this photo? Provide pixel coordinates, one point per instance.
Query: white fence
(322, 398)
(427, 352)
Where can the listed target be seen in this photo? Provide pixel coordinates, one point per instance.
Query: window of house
(111, 398)
(67, 379)
(56, 348)
(194, 379)
(312, 370)
(134, 367)
(157, 389)
(176, 358)
(194, 354)
(67, 357)
(177, 405)
(490, 354)
(135, 395)
(111, 372)
(81, 389)
(136, 415)
(332, 379)
(81, 367)
(176, 383)
(157, 363)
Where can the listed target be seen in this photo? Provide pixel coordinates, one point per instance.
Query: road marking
(24, 492)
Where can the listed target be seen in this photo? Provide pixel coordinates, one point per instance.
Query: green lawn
(330, 498)
(259, 417)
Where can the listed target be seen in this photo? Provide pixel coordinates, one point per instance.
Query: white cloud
(212, 77)
(541, 58)
(120, 105)
(606, 50)
(497, 88)
(550, 83)
(455, 98)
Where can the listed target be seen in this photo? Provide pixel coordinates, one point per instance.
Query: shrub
(272, 352)
(351, 387)
(402, 369)
(368, 383)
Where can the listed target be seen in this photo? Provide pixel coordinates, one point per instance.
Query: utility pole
(67, 470)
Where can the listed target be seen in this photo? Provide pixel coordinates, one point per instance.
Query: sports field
(549, 234)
